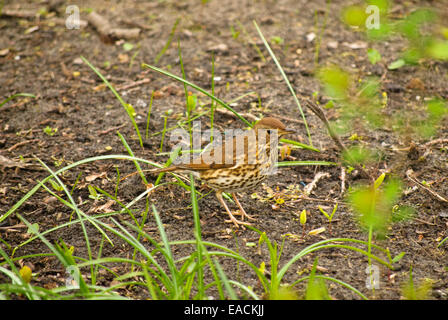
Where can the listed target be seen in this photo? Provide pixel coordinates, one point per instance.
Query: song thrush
(239, 163)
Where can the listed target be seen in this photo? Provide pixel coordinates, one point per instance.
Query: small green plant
(128, 108)
(168, 42)
(316, 288)
(56, 186)
(50, 131)
(329, 216)
(373, 204)
(421, 28)
(373, 55)
(411, 291)
(16, 96)
(149, 115)
(302, 220)
(235, 34)
(277, 40)
(320, 31)
(165, 120)
(93, 194)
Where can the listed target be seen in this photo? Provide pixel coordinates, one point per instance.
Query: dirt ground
(45, 61)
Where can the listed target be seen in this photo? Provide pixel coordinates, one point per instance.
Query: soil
(72, 98)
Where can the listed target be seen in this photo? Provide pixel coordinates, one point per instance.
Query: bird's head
(270, 123)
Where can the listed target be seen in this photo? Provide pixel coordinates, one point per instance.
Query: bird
(239, 163)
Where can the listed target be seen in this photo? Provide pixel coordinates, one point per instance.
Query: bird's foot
(238, 223)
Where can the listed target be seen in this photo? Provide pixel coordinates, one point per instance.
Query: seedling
(234, 33)
(50, 131)
(303, 221)
(56, 186)
(329, 216)
(316, 289)
(168, 42)
(410, 291)
(15, 96)
(373, 55)
(93, 194)
(165, 120)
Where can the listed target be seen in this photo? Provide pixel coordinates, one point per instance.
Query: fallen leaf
(4, 52)
(396, 64)
(105, 208)
(95, 176)
(316, 231)
(32, 29)
(356, 45)
(222, 47)
(415, 84)
(123, 58)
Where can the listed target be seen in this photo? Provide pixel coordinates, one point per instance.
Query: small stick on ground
(21, 144)
(317, 110)
(111, 129)
(249, 116)
(107, 32)
(133, 84)
(342, 181)
(309, 187)
(410, 176)
(436, 141)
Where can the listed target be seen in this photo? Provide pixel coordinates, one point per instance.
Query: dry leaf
(95, 176)
(316, 231)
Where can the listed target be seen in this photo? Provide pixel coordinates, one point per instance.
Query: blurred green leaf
(438, 49)
(373, 55)
(373, 207)
(354, 16)
(396, 64)
(379, 180)
(398, 257)
(316, 288)
(335, 80)
(358, 155)
(128, 46)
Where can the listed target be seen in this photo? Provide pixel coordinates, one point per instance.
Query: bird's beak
(287, 131)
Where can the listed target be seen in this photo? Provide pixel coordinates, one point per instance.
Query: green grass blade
(199, 89)
(301, 145)
(168, 42)
(137, 165)
(124, 104)
(15, 96)
(286, 80)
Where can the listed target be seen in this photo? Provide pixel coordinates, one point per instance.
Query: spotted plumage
(249, 161)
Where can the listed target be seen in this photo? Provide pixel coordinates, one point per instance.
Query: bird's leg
(232, 218)
(243, 213)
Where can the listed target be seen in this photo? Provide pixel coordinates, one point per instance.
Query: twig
(231, 114)
(409, 175)
(317, 110)
(315, 199)
(19, 13)
(21, 144)
(106, 31)
(436, 141)
(309, 187)
(342, 180)
(133, 84)
(14, 227)
(111, 129)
